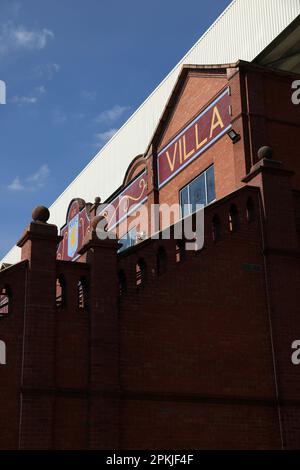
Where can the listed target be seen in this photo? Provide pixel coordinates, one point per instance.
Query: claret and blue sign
(213, 122)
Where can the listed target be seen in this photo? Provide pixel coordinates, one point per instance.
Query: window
(4, 301)
(216, 228)
(141, 272)
(122, 282)
(180, 251)
(60, 292)
(210, 184)
(2, 353)
(250, 210)
(234, 219)
(128, 240)
(82, 294)
(161, 261)
(184, 201)
(199, 191)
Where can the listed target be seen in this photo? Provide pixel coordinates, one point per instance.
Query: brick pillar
(277, 198)
(256, 112)
(104, 342)
(238, 100)
(152, 185)
(38, 244)
(282, 273)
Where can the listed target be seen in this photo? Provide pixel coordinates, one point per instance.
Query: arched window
(250, 210)
(216, 228)
(5, 301)
(234, 219)
(141, 272)
(180, 251)
(60, 292)
(82, 294)
(2, 353)
(161, 261)
(122, 282)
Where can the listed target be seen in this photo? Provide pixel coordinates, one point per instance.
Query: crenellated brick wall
(161, 347)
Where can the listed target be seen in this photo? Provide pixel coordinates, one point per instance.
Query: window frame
(6, 292)
(187, 186)
(83, 291)
(133, 240)
(60, 300)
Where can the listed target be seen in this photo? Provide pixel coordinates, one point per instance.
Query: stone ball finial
(265, 152)
(40, 214)
(95, 221)
(97, 200)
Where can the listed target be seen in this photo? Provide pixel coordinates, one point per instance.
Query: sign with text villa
(200, 134)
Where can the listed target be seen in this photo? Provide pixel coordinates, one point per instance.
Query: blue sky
(75, 70)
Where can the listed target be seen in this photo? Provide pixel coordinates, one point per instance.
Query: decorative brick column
(152, 188)
(39, 245)
(104, 342)
(282, 277)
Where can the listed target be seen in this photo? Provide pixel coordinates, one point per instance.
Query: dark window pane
(4, 304)
(184, 201)
(210, 183)
(125, 241)
(128, 240)
(197, 192)
(132, 236)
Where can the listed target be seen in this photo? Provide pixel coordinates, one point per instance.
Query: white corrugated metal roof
(242, 31)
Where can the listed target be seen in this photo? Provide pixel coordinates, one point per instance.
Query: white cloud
(40, 89)
(17, 37)
(32, 182)
(103, 137)
(47, 70)
(78, 116)
(16, 185)
(89, 95)
(58, 116)
(111, 115)
(21, 100)
(31, 39)
(40, 176)
(32, 98)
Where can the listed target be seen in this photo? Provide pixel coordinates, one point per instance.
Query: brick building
(154, 346)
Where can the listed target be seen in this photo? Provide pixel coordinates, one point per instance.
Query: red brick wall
(198, 89)
(192, 424)
(11, 332)
(271, 116)
(199, 356)
(283, 123)
(191, 346)
(200, 333)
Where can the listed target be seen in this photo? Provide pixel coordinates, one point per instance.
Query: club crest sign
(74, 231)
(73, 236)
